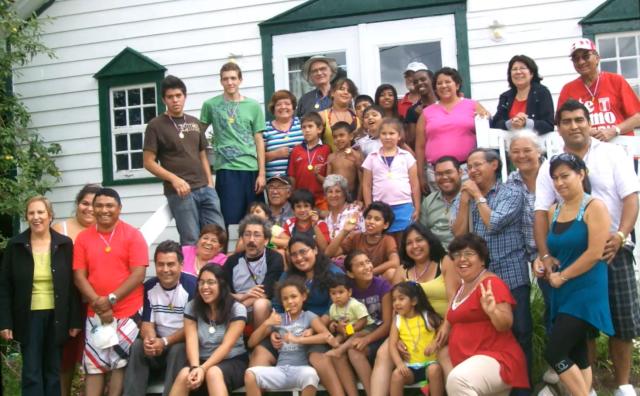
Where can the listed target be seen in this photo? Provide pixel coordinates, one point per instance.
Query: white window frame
(634, 82)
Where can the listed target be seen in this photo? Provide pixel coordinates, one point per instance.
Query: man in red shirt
(614, 107)
(109, 263)
(411, 97)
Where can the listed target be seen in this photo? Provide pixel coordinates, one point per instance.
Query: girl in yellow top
(343, 90)
(416, 323)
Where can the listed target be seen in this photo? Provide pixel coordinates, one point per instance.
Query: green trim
(612, 16)
(113, 75)
(44, 7)
(334, 16)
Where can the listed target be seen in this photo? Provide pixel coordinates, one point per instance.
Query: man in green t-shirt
(237, 124)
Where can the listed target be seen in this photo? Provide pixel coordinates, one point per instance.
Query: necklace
(232, 111)
(414, 340)
(415, 271)
(171, 297)
(107, 249)
(595, 90)
(388, 160)
(180, 127)
(455, 304)
(311, 158)
(212, 326)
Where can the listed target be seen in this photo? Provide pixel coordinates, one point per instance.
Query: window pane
(627, 46)
(149, 95)
(136, 160)
(149, 113)
(607, 48)
(629, 68)
(118, 99)
(121, 143)
(136, 141)
(609, 66)
(120, 118)
(394, 61)
(298, 85)
(133, 96)
(122, 162)
(134, 116)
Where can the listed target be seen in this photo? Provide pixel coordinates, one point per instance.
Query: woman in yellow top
(416, 323)
(424, 261)
(39, 304)
(343, 90)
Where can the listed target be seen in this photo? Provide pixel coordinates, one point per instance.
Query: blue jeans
(523, 327)
(199, 208)
(41, 357)
(236, 191)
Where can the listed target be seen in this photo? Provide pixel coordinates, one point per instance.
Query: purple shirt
(371, 297)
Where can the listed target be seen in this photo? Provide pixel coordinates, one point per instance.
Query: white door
(370, 54)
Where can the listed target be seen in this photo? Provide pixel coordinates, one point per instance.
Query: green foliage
(26, 161)
(539, 338)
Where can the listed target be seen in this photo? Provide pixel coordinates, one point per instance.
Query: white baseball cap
(415, 66)
(582, 43)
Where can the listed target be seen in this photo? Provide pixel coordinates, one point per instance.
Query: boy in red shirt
(308, 161)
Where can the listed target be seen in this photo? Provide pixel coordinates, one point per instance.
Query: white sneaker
(625, 390)
(550, 376)
(593, 392)
(546, 391)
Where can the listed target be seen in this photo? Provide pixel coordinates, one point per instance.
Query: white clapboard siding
(542, 30)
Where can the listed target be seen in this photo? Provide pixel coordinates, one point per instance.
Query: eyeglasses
(275, 188)
(256, 235)
(577, 57)
(319, 70)
(519, 69)
(207, 282)
(465, 253)
(300, 253)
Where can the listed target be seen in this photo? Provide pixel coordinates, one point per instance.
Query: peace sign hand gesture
(487, 299)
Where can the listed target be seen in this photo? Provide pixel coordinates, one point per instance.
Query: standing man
(237, 123)
(614, 108)
(496, 212)
(176, 141)
(435, 214)
(161, 344)
(109, 263)
(613, 181)
(318, 70)
(278, 193)
(412, 95)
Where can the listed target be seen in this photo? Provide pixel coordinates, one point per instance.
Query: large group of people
(387, 252)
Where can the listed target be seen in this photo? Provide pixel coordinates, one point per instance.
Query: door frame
(326, 14)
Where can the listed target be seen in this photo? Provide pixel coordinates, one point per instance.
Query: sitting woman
(340, 211)
(579, 299)
(213, 326)
(527, 104)
(485, 355)
(208, 249)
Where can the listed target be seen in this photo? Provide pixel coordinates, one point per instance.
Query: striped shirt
(165, 307)
(275, 138)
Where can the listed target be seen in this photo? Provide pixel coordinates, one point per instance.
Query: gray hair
(528, 134)
(254, 220)
(336, 180)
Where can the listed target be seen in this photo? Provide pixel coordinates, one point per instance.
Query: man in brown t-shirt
(175, 151)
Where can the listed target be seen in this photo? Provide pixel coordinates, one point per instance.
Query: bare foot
(335, 353)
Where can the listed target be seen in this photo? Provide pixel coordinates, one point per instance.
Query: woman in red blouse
(486, 357)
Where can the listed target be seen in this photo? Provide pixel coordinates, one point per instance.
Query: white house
(96, 96)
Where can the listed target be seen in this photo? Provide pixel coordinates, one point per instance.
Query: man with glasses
(614, 108)
(494, 211)
(613, 181)
(318, 70)
(436, 207)
(278, 193)
(252, 274)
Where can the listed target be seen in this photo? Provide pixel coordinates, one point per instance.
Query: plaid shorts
(623, 295)
(100, 361)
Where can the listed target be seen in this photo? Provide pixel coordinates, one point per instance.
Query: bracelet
(165, 341)
(546, 256)
(623, 238)
(564, 279)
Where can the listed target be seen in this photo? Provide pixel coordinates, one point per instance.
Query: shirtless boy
(346, 161)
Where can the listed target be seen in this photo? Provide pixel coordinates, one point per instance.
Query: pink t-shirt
(189, 263)
(390, 183)
(449, 132)
(109, 261)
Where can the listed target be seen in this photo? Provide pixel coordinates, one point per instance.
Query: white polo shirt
(611, 175)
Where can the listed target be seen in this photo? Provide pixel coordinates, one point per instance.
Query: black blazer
(539, 108)
(16, 284)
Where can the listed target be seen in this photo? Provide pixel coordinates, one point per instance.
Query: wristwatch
(618, 131)
(481, 200)
(112, 298)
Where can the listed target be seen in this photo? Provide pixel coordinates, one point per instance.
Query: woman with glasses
(281, 134)
(213, 326)
(527, 103)
(579, 302)
(485, 355)
(308, 262)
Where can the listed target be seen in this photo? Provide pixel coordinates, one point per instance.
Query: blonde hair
(44, 200)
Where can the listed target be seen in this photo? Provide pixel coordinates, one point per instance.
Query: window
(394, 60)
(128, 95)
(620, 53)
(132, 108)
